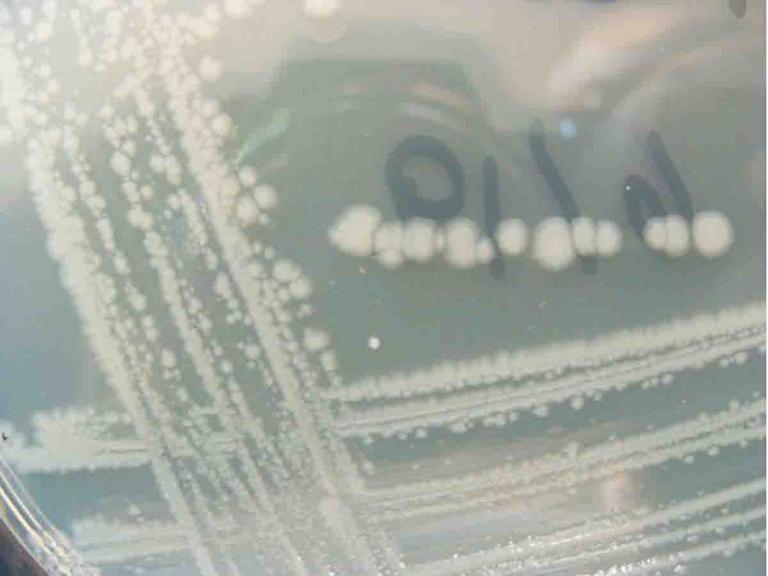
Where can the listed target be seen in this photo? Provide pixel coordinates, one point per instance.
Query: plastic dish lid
(354, 287)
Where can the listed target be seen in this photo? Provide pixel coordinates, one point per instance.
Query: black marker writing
(711, 231)
(557, 185)
(408, 202)
(643, 201)
(492, 209)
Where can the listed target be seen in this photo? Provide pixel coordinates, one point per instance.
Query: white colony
(461, 237)
(126, 343)
(285, 270)
(359, 231)
(678, 236)
(603, 459)
(552, 245)
(512, 237)
(353, 231)
(557, 549)
(584, 235)
(315, 339)
(608, 239)
(387, 244)
(107, 541)
(484, 250)
(247, 176)
(712, 234)
(120, 164)
(419, 239)
(655, 233)
(374, 342)
(668, 234)
(117, 331)
(390, 259)
(300, 288)
(73, 438)
(222, 125)
(713, 335)
(168, 358)
(246, 210)
(265, 196)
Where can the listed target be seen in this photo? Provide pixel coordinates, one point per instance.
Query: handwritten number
(668, 171)
(643, 201)
(408, 202)
(492, 208)
(556, 184)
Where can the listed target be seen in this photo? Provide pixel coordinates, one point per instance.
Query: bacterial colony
(231, 397)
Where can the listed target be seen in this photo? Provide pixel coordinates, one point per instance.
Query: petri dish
(346, 287)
